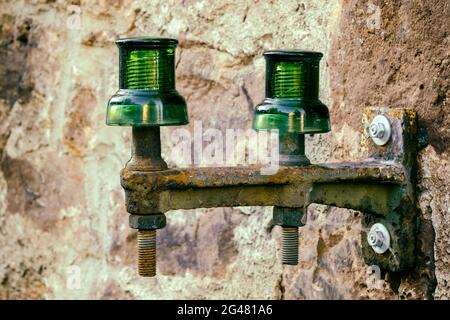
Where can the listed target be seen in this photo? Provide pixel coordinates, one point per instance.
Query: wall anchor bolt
(379, 238)
(380, 130)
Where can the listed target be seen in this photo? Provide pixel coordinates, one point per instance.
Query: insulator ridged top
(292, 74)
(147, 63)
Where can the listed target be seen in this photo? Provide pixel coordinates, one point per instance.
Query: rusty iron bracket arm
(381, 186)
(161, 191)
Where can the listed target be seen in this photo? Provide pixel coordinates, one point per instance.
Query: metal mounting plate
(401, 220)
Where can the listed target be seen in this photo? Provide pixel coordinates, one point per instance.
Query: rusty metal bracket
(381, 186)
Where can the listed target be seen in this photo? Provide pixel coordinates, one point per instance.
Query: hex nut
(378, 238)
(147, 222)
(287, 217)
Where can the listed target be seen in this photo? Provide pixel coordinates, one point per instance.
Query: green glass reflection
(292, 90)
(147, 94)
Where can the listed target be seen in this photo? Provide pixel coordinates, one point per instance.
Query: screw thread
(147, 253)
(290, 246)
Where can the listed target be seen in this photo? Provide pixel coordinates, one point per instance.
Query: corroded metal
(402, 219)
(161, 191)
(148, 221)
(146, 156)
(288, 217)
(292, 149)
(146, 150)
(147, 253)
(381, 186)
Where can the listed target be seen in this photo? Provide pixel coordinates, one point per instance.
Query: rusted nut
(287, 217)
(147, 222)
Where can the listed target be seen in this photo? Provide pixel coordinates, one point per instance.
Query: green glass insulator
(147, 94)
(292, 94)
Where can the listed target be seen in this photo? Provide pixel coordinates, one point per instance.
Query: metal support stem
(146, 156)
(146, 150)
(292, 149)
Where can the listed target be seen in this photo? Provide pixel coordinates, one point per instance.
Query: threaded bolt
(147, 253)
(289, 248)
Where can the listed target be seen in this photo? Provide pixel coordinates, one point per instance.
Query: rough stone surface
(63, 228)
(402, 59)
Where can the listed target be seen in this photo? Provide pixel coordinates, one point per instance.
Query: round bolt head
(378, 238)
(380, 130)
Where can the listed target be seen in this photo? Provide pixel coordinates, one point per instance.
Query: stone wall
(61, 205)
